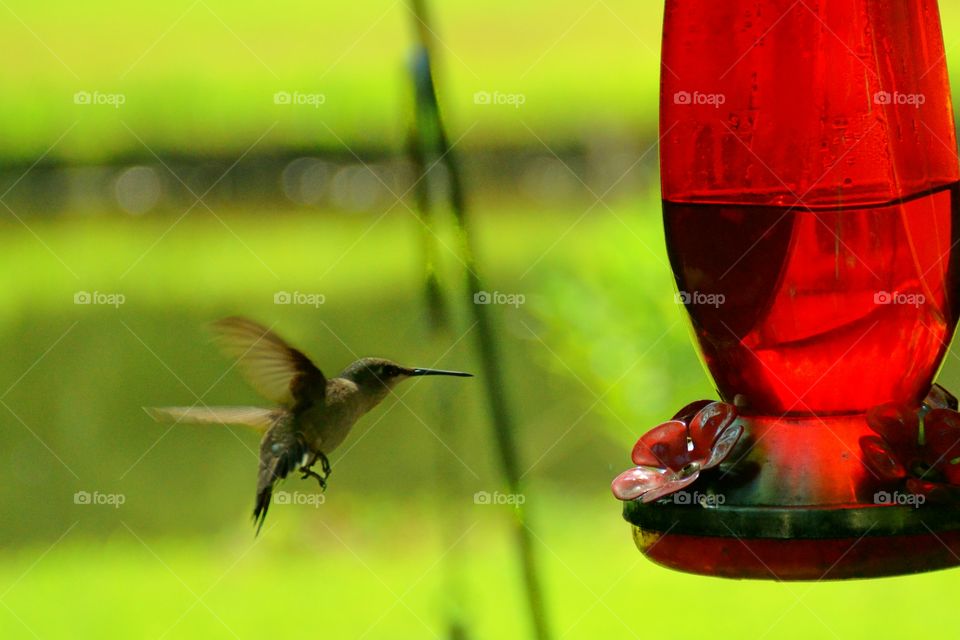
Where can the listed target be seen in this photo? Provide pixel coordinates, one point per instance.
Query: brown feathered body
(297, 438)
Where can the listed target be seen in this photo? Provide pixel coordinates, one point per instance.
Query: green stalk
(431, 129)
(450, 476)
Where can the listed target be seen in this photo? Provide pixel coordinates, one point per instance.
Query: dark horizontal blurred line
(335, 180)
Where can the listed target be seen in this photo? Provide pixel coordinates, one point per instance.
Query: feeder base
(863, 542)
(795, 502)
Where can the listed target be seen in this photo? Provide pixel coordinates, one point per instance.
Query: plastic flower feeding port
(810, 200)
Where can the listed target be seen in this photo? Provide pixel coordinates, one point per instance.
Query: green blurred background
(200, 196)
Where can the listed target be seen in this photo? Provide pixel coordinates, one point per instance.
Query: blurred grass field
(377, 576)
(225, 97)
(202, 73)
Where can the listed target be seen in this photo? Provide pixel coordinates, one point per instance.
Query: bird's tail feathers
(281, 453)
(258, 418)
(264, 496)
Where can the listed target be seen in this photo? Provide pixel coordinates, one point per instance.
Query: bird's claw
(310, 473)
(325, 464)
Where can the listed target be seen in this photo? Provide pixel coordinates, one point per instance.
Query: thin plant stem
(450, 476)
(431, 128)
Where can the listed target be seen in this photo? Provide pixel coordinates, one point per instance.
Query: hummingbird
(313, 414)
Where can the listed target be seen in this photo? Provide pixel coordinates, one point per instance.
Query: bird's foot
(325, 464)
(310, 473)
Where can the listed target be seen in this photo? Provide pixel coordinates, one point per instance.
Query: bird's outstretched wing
(275, 369)
(282, 450)
(256, 417)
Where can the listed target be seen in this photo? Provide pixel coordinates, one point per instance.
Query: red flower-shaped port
(921, 447)
(672, 455)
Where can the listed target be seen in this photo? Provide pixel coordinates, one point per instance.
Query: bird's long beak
(438, 372)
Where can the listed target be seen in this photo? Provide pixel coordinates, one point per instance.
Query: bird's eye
(384, 371)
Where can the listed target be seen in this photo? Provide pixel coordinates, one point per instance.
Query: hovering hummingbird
(315, 413)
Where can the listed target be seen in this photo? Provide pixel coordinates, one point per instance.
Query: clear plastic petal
(633, 483)
(707, 425)
(724, 445)
(670, 486)
(687, 413)
(940, 398)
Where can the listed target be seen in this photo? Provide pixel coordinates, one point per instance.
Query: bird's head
(379, 374)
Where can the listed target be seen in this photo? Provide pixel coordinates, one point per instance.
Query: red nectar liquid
(819, 311)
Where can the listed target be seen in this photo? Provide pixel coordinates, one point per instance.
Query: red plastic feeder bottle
(810, 199)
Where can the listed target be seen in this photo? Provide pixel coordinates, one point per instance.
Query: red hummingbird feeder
(810, 201)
